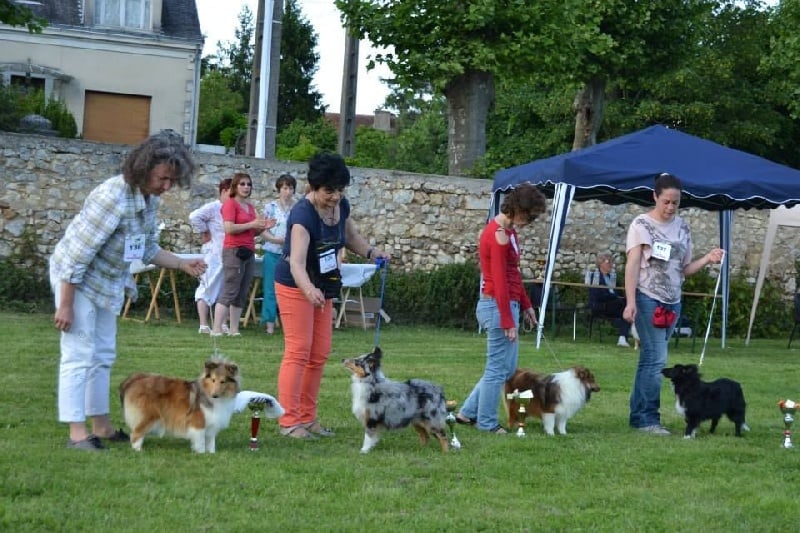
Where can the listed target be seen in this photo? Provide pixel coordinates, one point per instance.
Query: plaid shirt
(91, 253)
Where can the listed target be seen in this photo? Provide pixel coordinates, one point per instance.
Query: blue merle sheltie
(380, 403)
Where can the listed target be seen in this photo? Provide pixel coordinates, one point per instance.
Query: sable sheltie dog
(380, 403)
(697, 400)
(556, 397)
(196, 410)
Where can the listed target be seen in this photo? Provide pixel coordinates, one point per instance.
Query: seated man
(605, 301)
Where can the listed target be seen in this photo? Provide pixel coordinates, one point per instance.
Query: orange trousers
(307, 334)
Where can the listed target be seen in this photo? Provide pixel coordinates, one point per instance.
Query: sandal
(317, 429)
(297, 432)
(465, 421)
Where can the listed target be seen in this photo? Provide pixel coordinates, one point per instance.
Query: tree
(460, 46)
(220, 120)
(716, 91)
(234, 59)
(16, 14)
(782, 64)
(299, 100)
(632, 41)
(233, 63)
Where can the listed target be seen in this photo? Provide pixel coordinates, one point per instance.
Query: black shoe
(118, 436)
(464, 421)
(91, 443)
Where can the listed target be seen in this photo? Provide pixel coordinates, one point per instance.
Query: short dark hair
(327, 170)
(526, 200)
(225, 185)
(285, 179)
(167, 147)
(666, 180)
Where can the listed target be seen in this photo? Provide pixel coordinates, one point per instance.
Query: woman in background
(277, 210)
(207, 221)
(241, 223)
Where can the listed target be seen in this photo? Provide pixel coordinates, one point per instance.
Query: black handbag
(244, 253)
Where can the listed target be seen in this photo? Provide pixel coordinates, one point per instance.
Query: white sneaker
(204, 330)
(655, 430)
(623, 342)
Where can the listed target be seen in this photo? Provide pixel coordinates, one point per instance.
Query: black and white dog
(380, 403)
(697, 400)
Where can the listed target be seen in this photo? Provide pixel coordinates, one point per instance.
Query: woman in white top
(207, 220)
(274, 237)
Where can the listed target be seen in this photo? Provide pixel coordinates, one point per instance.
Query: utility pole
(347, 109)
(263, 112)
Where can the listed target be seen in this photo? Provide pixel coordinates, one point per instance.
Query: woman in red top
(502, 298)
(241, 223)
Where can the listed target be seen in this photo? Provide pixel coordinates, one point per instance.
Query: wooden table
(137, 269)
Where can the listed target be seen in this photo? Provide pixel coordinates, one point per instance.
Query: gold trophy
(788, 408)
(522, 398)
(451, 405)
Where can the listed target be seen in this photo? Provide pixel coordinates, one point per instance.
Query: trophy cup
(256, 405)
(788, 408)
(450, 405)
(522, 398)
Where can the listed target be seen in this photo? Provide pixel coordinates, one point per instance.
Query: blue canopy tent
(623, 170)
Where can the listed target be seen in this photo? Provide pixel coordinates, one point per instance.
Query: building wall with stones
(424, 221)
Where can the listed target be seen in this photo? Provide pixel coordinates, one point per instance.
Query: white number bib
(661, 250)
(134, 247)
(327, 261)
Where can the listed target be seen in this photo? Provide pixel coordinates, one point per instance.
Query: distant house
(382, 120)
(124, 68)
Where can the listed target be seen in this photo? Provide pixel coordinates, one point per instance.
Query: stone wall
(423, 220)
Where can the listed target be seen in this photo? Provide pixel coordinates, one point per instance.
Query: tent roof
(622, 170)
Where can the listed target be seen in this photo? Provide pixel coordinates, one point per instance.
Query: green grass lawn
(603, 476)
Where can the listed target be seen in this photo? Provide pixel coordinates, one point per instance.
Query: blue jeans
(653, 344)
(501, 362)
(269, 305)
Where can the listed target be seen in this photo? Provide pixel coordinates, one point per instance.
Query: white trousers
(88, 350)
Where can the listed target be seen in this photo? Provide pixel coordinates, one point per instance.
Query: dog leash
(551, 350)
(382, 265)
(711, 314)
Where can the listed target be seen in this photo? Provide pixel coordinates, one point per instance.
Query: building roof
(179, 18)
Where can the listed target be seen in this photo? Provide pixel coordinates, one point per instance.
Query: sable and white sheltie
(196, 410)
(556, 397)
(380, 403)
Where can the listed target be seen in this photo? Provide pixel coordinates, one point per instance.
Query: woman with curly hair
(503, 298)
(90, 277)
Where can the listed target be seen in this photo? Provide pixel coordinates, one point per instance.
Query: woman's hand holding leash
(716, 255)
(529, 318)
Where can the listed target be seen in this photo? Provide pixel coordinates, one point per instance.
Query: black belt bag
(244, 253)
